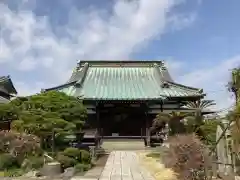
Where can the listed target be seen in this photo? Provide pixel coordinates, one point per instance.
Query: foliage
(85, 157)
(19, 145)
(15, 172)
(187, 156)
(234, 84)
(72, 156)
(234, 118)
(44, 113)
(82, 167)
(47, 115)
(173, 119)
(209, 129)
(200, 104)
(66, 161)
(196, 120)
(47, 111)
(33, 162)
(8, 161)
(7, 112)
(73, 153)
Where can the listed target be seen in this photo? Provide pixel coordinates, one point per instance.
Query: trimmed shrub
(72, 156)
(187, 156)
(66, 161)
(73, 153)
(82, 156)
(82, 167)
(8, 161)
(33, 163)
(85, 157)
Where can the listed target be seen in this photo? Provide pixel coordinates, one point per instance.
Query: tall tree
(196, 120)
(198, 106)
(44, 113)
(234, 84)
(234, 116)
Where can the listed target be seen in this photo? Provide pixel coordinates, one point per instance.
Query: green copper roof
(124, 81)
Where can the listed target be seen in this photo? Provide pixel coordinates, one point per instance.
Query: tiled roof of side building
(124, 80)
(8, 84)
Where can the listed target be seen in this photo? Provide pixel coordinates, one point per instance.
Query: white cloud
(182, 21)
(212, 77)
(28, 42)
(28, 63)
(5, 52)
(25, 89)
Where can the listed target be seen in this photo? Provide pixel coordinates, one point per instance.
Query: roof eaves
(8, 81)
(14, 91)
(60, 86)
(120, 99)
(83, 75)
(166, 75)
(163, 74)
(183, 86)
(187, 96)
(73, 76)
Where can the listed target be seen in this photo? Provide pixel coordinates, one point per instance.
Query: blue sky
(42, 40)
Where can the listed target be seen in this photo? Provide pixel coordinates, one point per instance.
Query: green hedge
(70, 157)
(8, 161)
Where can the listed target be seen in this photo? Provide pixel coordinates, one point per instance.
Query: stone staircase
(109, 145)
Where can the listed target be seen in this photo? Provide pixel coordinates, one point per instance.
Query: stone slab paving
(124, 165)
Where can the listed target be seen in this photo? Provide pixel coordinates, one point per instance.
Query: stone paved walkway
(124, 165)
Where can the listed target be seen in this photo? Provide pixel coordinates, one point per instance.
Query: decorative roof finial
(78, 65)
(200, 91)
(163, 65)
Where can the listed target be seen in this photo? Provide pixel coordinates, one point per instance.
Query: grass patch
(14, 172)
(157, 169)
(154, 155)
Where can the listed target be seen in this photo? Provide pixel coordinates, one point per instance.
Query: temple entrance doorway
(123, 121)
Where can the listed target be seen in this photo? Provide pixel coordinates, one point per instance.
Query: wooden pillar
(99, 130)
(98, 119)
(167, 125)
(161, 106)
(9, 125)
(148, 135)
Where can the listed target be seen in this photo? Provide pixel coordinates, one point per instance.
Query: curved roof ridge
(83, 75)
(184, 86)
(117, 63)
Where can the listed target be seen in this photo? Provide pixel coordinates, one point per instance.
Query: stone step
(112, 145)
